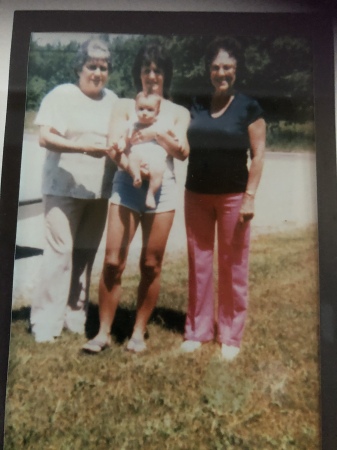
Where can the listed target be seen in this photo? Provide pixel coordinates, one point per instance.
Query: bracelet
(250, 194)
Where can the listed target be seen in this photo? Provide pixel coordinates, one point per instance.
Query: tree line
(276, 71)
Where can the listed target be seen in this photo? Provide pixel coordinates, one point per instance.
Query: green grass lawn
(268, 398)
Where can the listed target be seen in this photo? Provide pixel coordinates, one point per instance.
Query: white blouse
(76, 116)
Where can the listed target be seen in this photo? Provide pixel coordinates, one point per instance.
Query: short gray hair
(92, 48)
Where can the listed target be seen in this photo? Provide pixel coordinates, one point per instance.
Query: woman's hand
(117, 147)
(92, 146)
(247, 208)
(257, 139)
(96, 153)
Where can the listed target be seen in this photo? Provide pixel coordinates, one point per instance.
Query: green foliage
(36, 87)
(290, 136)
(48, 67)
(276, 71)
(123, 51)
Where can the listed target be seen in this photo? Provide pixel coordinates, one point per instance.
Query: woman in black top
(220, 192)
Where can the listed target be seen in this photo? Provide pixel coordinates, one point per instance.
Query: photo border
(317, 26)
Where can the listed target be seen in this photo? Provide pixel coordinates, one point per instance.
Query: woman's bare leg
(122, 225)
(156, 228)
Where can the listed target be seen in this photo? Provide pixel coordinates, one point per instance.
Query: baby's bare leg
(134, 169)
(155, 181)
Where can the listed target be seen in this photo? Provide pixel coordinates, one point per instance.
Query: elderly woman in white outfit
(77, 182)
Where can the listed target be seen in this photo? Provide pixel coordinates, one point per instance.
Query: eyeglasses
(94, 67)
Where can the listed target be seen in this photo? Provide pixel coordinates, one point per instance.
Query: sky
(62, 38)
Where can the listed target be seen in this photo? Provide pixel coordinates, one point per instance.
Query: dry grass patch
(59, 398)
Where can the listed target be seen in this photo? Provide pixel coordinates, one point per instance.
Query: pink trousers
(205, 214)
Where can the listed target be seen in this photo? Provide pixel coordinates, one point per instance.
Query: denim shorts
(125, 194)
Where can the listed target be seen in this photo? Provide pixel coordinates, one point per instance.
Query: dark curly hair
(229, 44)
(153, 53)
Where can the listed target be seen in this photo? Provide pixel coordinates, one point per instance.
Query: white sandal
(136, 345)
(96, 345)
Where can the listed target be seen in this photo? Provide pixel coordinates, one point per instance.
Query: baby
(149, 153)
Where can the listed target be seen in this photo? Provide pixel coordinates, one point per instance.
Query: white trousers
(74, 229)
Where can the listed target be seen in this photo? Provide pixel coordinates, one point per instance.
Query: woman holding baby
(152, 74)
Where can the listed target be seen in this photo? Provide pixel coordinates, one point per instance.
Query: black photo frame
(318, 27)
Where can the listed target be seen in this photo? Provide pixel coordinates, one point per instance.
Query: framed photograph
(280, 392)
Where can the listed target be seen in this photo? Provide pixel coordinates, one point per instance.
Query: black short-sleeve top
(219, 146)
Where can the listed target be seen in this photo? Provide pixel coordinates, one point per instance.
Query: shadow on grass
(121, 328)
(169, 319)
(21, 314)
(123, 323)
(125, 318)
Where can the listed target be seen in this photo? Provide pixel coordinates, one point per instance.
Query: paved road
(286, 199)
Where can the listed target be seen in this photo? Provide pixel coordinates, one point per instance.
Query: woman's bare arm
(117, 135)
(257, 138)
(118, 121)
(175, 141)
(52, 140)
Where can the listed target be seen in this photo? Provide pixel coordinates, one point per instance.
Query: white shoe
(43, 336)
(74, 321)
(190, 346)
(43, 333)
(229, 352)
